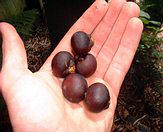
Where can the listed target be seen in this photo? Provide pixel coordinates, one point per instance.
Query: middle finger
(110, 46)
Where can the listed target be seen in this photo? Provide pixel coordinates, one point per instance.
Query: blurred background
(42, 24)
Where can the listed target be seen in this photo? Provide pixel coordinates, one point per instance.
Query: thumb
(13, 51)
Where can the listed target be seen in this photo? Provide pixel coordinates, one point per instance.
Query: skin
(35, 101)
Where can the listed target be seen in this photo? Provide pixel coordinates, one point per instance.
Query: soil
(139, 107)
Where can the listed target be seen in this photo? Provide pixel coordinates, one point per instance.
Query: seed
(86, 65)
(63, 64)
(74, 87)
(97, 97)
(81, 42)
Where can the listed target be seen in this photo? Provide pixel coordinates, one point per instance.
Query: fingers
(87, 22)
(110, 46)
(118, 68)
(104, 28)
(14, 55)
(124, 55)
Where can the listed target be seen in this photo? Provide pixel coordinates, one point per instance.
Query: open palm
(35, 101)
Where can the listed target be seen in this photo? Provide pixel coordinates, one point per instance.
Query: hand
(35, 101)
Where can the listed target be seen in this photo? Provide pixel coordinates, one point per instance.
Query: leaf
(144, 20)
(10, 8)
(144, 6)
(155, 23)
(144, 14)
(147, 6)
(24, 23)
(152, 27)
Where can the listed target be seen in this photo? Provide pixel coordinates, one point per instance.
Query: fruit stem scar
(72, 69)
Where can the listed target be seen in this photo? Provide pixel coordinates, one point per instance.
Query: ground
(138, 108)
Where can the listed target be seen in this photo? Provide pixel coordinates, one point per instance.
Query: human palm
(35, 101)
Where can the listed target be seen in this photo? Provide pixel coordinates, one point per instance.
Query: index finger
(87, 23)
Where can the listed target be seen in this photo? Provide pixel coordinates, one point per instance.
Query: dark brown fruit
(63, 64)
(74, 87)
(97, 97)
(81, 43)
(86, 65)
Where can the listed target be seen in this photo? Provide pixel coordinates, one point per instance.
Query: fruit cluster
(75, 69)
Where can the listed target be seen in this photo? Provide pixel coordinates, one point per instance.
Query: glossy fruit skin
(97, 97)
(81, 42)
(86, 65)
(74, 87)
(63, 63)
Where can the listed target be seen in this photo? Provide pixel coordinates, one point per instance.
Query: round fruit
(74, 87)
(63, 64)
(81, 42)
(86, 65)
(97, 97)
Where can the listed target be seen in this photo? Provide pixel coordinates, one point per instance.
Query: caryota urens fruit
(86, 65)
(81, 43)
(74, 87)
(63, 63)
(97, 97)
(75, 68)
